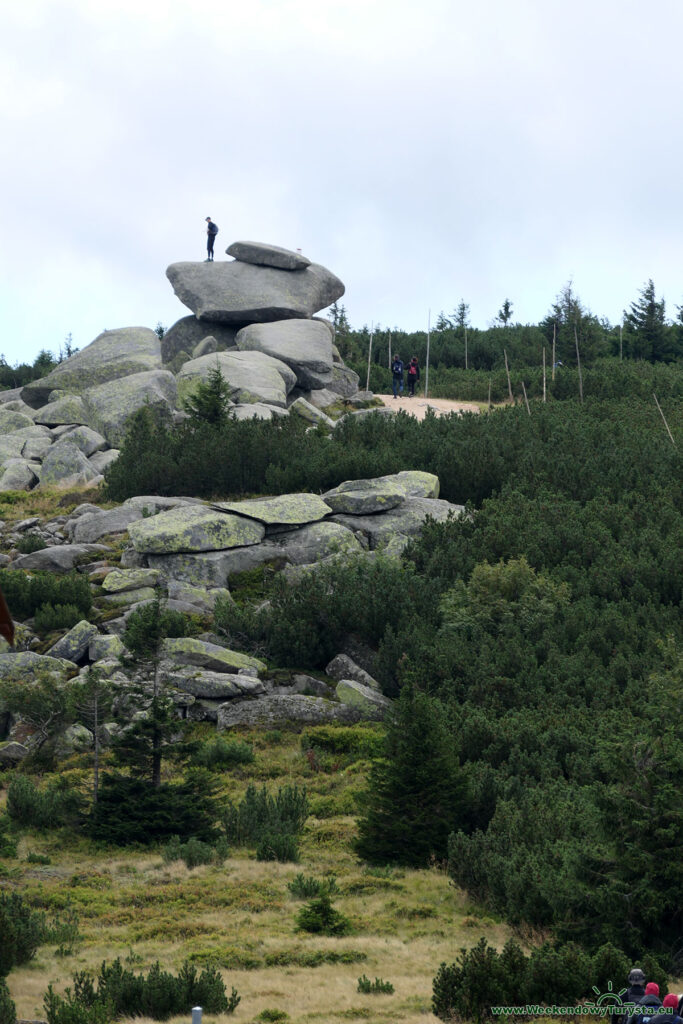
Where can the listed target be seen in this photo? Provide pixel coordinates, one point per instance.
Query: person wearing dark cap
(672, 1014)
(634, 993)
(211, 232)
(648, 1006)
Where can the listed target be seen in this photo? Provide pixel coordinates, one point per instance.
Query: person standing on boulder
(397, 375)
(211, 232)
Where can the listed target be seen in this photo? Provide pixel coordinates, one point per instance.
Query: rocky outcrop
(263, 255)
(193, 528)
(189, 332)
(241, 292)
(283, 710)
(304, 345)
(251, 376)
(368, 701)
(110, 405)
(65, 465)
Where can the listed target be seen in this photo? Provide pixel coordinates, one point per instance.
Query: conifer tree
(209, 403)
(416, 792)
(646, 328)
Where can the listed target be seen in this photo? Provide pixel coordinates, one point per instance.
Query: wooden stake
(544, 373)
(507, 370)
(465, 348)
(621, 341)
(489, 394)
(671, 437)
(552, 375)
(390, 360)
(578, 363)
(372, 331)
(429, 328)
(526, 399)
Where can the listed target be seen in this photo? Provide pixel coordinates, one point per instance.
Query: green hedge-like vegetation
(26, 594)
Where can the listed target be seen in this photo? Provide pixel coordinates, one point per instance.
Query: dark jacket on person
(633, 994)
(397, 368)
(643, 1017)
(416, 374)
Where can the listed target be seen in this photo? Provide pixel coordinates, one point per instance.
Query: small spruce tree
(416, 791)
(209, 403)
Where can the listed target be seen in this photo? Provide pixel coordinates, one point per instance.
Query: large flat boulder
(405, 520)
(111, 405)
(365, 699)
(189, 332)
(243, 293)
(120, 580)
(305, 345)
(74, 645)
(18, 475)
(112, 355)
(214, 568)
(213, 685)
(58, 558)
(317, 541)
(359, 497)
(89, 441)
(283, 710)
(284, 510)
(65, 465)
(263, 255)
(193, 528)
(252, 376)
(90, 527)
(187, 650)
(27, 664)
(10, 421)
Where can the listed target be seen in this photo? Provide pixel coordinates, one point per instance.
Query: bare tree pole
(552, 375)
(429, 329)
(489, 394)
(544, 373)
(372, 331)
(389, 349)
(466, 348)
(671, 437)
(578, 363)
(621, 342)
(526, 399)
(507, 370)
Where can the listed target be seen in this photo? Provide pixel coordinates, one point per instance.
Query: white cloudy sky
(425, 151)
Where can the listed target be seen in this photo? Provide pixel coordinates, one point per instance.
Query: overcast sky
(424, 151)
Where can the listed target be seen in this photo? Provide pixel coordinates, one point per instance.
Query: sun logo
(610, 997)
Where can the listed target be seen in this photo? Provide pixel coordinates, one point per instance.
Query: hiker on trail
(633, 994)
(397, 375)
(211, 232)
(413, 376)
(673, 1011)
(648, 1006)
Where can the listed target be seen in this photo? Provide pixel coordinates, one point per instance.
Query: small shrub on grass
(8, 1011)
(314, 957)
(305, 887)
(31, 542)
(282, 846)
(361, 741)
(51, 807)
(222, 753)
(8, 847)
(194, 852)
(260, 814)
(129, 810)
(22, 930)
(376, 987)
(59, 616)
(37, 858)
(272, 1016)
(118, 992)
(320, 918)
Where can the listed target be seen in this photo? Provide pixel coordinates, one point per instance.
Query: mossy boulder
(65, 465)
(130, 579)
(190, 651)
(10, 421)
(367, 700)
(308, 412)
(74, 645)
(65, 410)
(110, 405)
(193, 528)
(251, 376)
(285, 510)
(105, 648)
(126, 597)
(27, 665)
(359, 497)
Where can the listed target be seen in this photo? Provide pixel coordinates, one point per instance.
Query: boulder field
(253, 317)
(186, 551)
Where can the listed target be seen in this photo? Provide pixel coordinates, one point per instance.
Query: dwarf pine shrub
(22, 930)
(282, 846)
(221, 753)
(259, 813)
(194, 852)
(320, 918)
(305, 887)
(8, 1011)
(376, 987)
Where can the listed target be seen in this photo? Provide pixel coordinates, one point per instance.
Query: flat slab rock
(60, 558)
(190, 651)
(241, 292)
(193, 528)
(263, 255)
(285, 510)
(283, 710)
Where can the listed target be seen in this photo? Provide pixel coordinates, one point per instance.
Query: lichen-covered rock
(418, 484)
(90, 527)
(201, 598)
(367, 700)
(283, 710)
(214, 685)
(17, 475)
(343, 667)
(344, 381)
(57, 558)
(359, 497)
(308, 412)
(305, 345)
(119, 580)
(11, 446)
(214, 568)
(10, 421)
(64, 411)
(74, 645)
(405, 520)
(65, 465)
(316, 541)
(251, 376)
(128, 597)
(89, 441)
(205, 347)
(255, 411)
(191, 651)
(263, 255)
(12, 753)
(36, 447)
(284, 510)
(73, 740)
(111, 356)
(27, 665)
(240, 292)
(189, 332)
(110, 406)
(105, 648)
(193, 528)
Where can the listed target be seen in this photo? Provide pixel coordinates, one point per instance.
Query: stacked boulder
(253, 318)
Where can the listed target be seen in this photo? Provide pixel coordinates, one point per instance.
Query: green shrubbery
(30, 542)
(59, 616)
(22, 930)
(55, 805)
(260, 817)
(220, 753)
(376, 987)
(304, 887)
(26, 594)
(320, 917)
(361, 741)
(482, 977)
(129, 810)
(118, 992)
(194, 852)
(8, 846)
(8, 1011)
